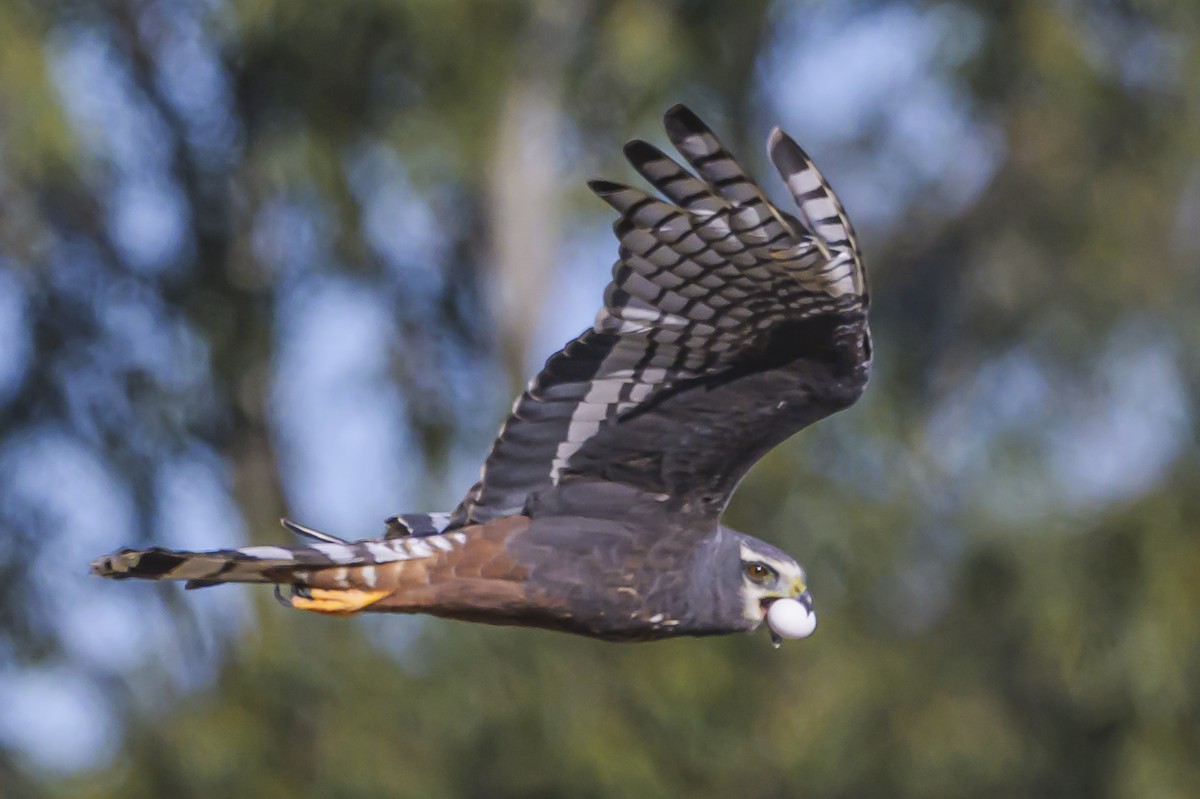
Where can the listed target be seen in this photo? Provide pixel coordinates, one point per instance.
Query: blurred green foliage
(1001, 537)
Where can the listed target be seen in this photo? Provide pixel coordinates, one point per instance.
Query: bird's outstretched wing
(728, 326)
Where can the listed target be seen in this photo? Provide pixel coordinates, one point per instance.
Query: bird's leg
(339, 602)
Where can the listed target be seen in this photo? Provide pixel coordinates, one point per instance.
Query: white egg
(787, 618)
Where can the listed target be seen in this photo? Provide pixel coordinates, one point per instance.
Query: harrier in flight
(729, 325)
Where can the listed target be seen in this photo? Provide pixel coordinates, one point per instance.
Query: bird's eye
(759, 573)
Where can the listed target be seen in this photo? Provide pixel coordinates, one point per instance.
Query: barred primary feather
(714, 285)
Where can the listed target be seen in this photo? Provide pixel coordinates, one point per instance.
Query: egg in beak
(791, 617)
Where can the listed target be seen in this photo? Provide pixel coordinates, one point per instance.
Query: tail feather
(269, 564)
(310, 533)
(248, 565)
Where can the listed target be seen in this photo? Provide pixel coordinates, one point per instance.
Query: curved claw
(280, 598)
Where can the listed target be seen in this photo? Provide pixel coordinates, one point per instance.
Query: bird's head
(774, 589)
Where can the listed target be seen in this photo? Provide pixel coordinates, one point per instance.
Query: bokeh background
(262, 258)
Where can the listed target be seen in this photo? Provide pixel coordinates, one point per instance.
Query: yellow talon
(340, 602)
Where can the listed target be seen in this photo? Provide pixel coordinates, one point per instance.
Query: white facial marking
(786, 570)
(754, 594)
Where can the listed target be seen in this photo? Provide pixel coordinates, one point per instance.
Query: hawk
(729, 325)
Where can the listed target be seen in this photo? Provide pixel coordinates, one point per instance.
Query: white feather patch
(268, 553)
(338, 553)
(382, 553)
(419, 548)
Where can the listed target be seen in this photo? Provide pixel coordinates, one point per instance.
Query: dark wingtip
(775, 139)
(639, 152)
(604, 187)
(680, 121)
(787, 156)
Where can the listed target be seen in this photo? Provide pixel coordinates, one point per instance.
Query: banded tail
(328, 566)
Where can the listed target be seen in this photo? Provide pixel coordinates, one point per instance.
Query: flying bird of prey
(729, 325)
